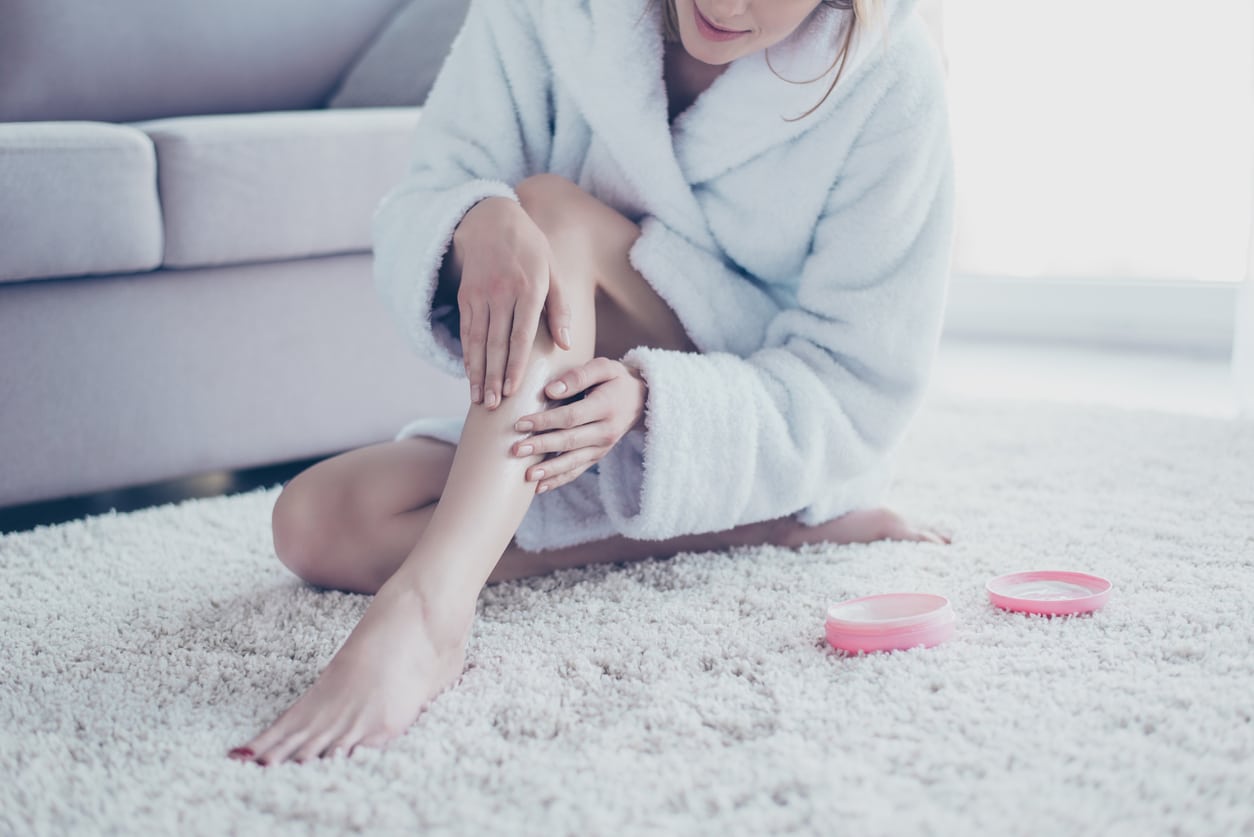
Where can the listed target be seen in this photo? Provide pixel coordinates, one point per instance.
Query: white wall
(1102, 139)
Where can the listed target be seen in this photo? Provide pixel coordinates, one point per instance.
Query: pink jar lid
(890, 621)
(1050, 592)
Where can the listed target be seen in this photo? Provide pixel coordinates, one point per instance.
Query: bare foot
(859, 526)
(397, 659)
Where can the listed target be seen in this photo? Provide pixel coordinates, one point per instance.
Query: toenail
(242, 752)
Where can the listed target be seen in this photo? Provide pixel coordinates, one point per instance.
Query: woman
(739, 283)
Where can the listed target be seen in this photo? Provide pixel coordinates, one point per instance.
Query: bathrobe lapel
(609, 55)
(743, 112)
(612, 66)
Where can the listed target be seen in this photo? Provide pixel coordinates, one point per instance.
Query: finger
(569, 467)
(500, 322)
(594, 434)
(564, 417)
(574, 381)
(526, 322)
(558, 310)
(474, 334)
(575, 458)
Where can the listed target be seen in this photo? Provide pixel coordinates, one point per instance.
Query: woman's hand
(506, 280)
(584, 430)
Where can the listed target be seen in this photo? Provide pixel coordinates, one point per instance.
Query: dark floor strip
(214, 484)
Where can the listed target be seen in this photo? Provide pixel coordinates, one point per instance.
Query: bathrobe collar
(609, 55)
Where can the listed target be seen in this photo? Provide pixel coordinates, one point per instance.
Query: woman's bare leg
(350, 521)
(410, 644)
(861, 526)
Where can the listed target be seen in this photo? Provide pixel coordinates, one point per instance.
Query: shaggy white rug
(692, 695)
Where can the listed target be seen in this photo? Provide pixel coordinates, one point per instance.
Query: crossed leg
(423, 525)
(349, 522)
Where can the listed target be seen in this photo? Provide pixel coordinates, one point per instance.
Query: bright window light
(1108, 139)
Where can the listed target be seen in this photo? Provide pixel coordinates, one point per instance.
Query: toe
(280, 751)
(270, 736)
(377, 741)
(317, 743)
(338, 751)
(933, 536)
(343, 746)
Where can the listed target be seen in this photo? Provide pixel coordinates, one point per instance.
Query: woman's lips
(708, 29)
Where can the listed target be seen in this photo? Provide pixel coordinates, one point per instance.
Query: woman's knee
(303, 524)
(545, 191)
(555, 204)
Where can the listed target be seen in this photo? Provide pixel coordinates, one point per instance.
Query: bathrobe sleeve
(484, 127)
(805, 424)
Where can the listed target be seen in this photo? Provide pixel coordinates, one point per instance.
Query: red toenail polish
(241, 751)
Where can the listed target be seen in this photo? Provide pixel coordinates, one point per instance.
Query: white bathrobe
(807, 260)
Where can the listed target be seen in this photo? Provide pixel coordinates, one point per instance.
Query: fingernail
(538, 474)
(543, 488)
(474, 393)
(558, 388)
(522, 426)
(566, 335)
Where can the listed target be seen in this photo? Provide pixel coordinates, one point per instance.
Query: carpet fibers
(691, 695)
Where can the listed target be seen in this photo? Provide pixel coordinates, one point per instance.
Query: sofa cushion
(124, 60)
(268, 186)
(76, 198)
(402, 61)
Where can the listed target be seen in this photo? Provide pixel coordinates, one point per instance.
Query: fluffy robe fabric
(807, 260)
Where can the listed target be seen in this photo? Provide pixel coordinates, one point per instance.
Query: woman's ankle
(447, 619)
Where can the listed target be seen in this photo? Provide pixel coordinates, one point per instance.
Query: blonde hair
(864, 12)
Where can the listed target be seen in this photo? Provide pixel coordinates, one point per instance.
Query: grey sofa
(185, 269)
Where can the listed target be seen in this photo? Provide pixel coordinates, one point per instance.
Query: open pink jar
(889, 622)
(1049, 592)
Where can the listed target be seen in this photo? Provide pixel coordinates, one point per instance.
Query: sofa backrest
(127, 60)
